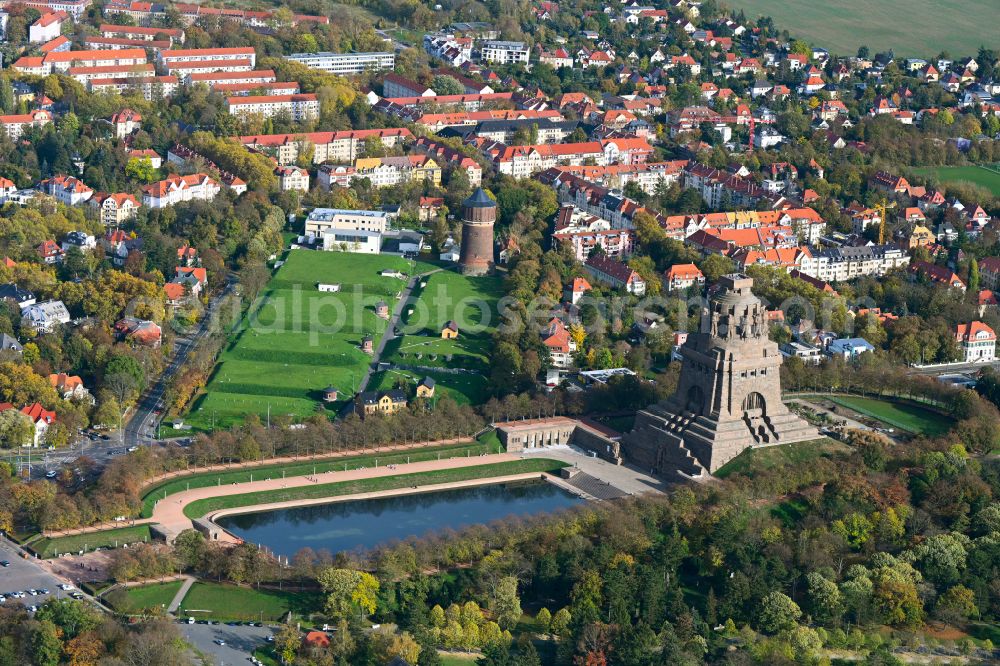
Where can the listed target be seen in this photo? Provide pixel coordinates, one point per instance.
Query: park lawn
(981, 176)
(292, 469)
(233, 602)
(297, 340)
(447, 296)
(911, 28)
(112, 538)
(463, 388)
(157, 595)
(202, 507)
(451, 659)
(787, 455)
(912, 418)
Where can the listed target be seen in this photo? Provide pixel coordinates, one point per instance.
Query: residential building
(383, 403)
(40, 418)
(176, 189)
(61, 61)
(44, 316)
(358, 242)
(139, 332)
(576, 290)
(844, 263)
(683, 276)
(240, 53)
(583, 232)
(394, 85)
(69, 387)
(809, 354)
(50, 252)
(292, 178)
(126, 122)
(67, 190)
(936, 274)
(47, 27)
(345, 146)
(849, 348)
(300, 107)
(114, 210)
(504, 52)
(561, 345)
(977, 342)
(616, 274)
(14, 126)
(346, 63)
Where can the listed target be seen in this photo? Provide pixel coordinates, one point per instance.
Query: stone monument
(728, 398)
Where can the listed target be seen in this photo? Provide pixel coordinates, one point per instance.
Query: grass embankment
(136, 599)
(113, 538)
(201, 507)
(798, 453)
(908, 417)
(244, 474)
(230, 602)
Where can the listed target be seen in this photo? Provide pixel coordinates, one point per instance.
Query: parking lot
(239, 641)
(26, 574)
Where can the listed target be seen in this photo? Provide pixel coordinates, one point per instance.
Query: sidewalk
(179, 597)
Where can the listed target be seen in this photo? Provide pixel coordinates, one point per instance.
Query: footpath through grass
(912, 418)
(199, 508)
(231, 602)
(304, 467)
(113, 538)
(136, 599)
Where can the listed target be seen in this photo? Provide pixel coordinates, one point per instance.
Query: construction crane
(881, 208)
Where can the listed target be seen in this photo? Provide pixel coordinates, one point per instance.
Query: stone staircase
(593, 488)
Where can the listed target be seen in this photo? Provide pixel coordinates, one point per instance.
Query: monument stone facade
(728, 398)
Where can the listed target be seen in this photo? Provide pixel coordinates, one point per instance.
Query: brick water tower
(479, 212)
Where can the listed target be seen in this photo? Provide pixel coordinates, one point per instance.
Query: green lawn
(981, 176)
(912, 28)
(157, 595)
(901, 415)
(112, 538)
(799, 453)
(439, 298)
(448, 659)
(231, 602)
(199, 508)
(243, 474)
(300, 340)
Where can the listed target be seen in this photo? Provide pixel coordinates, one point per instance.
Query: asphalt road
(141, 428)
(240, 641)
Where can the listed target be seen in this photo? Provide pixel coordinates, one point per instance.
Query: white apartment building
(303, 106)
(62, 61)
(176, 189)
(344, 146)
(292, 178)
(185, 69)
(324, 219)
(844, 263)
(46, 28)
(504, 53)
(346, 63)
(977, 341)
(173, 56)
(85, 75)
(151, 87)
(16, 125)
(212, 78)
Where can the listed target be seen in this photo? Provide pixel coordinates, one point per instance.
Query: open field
(912, 28)
(201, 507)
(112, 538)
(446, 296)
(231, 602)
(982, 176)
(157, 595)
(301, 340)
(245, 474)
(910, 418)
(770, 457)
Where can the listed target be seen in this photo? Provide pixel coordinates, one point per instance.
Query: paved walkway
(628, 479)
(169, 513)
(179, 597)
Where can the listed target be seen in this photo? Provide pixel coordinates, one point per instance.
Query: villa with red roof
(977, 341)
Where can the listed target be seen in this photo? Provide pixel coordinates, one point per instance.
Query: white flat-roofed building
(503, 52)
(346, 63)
(358, 242)
(303, 106)
(324, 219)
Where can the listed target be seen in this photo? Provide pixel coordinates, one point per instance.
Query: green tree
(973, 287)
(560, 622)
(348, 591)
(287, 642)
(543, 619)
(506, 604)
(46, 647)
(778, 613)
(825, 602)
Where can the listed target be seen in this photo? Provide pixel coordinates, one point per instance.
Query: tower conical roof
(479, 199)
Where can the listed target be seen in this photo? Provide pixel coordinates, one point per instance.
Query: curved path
(169, 513)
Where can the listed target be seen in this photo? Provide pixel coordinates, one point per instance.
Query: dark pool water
(364, 524)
